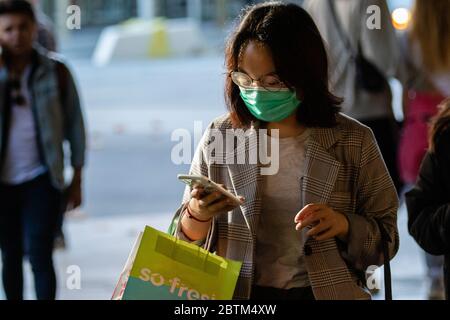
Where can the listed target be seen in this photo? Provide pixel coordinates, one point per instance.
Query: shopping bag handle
(208, 242)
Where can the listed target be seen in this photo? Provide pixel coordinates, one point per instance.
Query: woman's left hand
(326, 223)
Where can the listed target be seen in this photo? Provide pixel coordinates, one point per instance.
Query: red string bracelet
(191, 216)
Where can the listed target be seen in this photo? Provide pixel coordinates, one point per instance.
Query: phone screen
(207, 188)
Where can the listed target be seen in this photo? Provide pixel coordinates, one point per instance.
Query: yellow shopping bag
(162, 267)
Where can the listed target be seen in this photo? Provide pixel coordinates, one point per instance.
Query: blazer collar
(326, 137)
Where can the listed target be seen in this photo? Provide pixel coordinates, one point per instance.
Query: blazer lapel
(321, 168)
(246, 180)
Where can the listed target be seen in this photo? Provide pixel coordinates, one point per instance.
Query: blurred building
(106, 12)
(94, 12)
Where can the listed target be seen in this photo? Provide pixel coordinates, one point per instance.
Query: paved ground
(99, 246)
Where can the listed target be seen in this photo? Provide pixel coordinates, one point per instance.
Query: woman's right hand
(205, 207)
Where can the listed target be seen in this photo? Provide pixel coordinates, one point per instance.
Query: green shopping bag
(166, 268)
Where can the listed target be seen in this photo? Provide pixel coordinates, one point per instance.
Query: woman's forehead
(256, 59)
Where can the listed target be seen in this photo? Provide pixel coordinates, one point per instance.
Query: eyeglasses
(16, 95)
(270, 82)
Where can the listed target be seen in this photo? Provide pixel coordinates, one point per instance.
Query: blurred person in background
(425, 75)
(39, 110)
(46, 39)
(429, 201)
(362, 59)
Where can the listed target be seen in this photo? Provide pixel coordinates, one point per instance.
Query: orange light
(401, 17)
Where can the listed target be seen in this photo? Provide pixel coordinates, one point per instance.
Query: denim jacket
(58, 119)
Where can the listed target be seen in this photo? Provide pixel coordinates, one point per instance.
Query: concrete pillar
(61, 16)
(194, 10)
(146, 9)
(221, 12)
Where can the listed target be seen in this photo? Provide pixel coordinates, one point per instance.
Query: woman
(309, 231)
(429, 202)
(426, 79)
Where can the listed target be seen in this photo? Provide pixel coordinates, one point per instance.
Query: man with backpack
(39, 111)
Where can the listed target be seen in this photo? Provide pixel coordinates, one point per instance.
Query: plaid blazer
(344, 169)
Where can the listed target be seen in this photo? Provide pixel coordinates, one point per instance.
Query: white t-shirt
(22, 162)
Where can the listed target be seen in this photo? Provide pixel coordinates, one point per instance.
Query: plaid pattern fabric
(344, 169)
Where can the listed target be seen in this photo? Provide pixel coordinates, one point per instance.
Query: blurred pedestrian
(39, 111)
(45, 28)
(425, 75)
(46, 39)
(429, 201)
(311, 229)
(362, 59)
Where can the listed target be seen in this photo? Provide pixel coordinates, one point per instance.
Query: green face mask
(270, 106)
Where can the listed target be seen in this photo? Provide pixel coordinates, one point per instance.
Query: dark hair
(17, 7)
(440, 130)
(300, 58)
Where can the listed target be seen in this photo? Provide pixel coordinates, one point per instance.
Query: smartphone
(209, 186)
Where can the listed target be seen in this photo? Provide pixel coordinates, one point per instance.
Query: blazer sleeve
(376, 200)
(428, 210)
(199, 166)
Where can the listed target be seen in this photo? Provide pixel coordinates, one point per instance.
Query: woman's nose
(255, 84)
